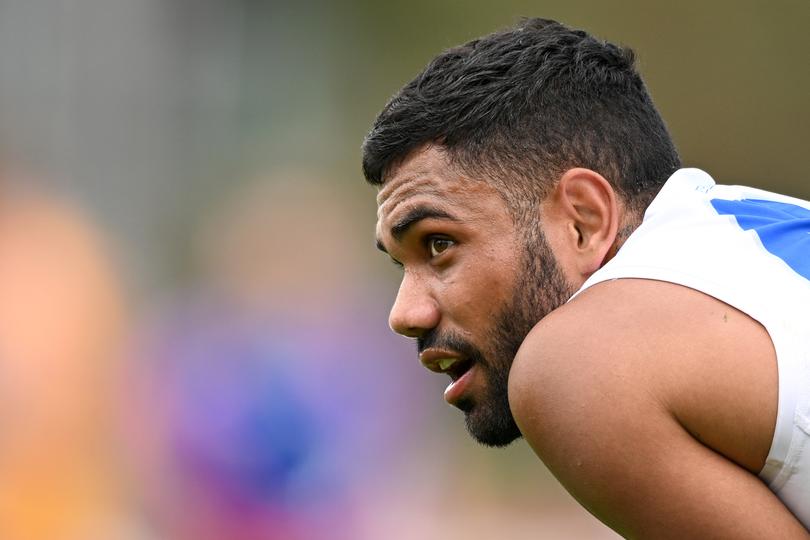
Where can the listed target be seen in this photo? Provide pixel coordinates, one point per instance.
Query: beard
(540, 288)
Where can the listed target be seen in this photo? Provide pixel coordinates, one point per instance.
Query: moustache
(449, 341)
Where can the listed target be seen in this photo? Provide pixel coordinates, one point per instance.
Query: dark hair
(522, 106)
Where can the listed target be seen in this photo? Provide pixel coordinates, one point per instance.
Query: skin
(428, 207)
(652, 403)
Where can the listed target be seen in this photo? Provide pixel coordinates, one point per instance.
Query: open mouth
(456, 367)
(459, 369)
(445, 362)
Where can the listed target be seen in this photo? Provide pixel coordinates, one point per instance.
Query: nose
(414, 311)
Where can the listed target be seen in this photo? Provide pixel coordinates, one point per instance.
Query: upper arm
(603, 402)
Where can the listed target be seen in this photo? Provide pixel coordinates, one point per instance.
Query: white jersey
(750, 249)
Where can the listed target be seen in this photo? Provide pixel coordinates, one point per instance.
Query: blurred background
(193, 320)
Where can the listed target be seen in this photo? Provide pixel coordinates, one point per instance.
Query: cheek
(479, 289)
(498, 268)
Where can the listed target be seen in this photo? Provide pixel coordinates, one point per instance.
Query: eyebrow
(414, 216)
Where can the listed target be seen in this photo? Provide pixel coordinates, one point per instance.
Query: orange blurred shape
(60, 328)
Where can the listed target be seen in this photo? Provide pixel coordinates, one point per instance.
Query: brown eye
(437, 245)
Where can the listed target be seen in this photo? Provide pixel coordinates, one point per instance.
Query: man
(672, 391)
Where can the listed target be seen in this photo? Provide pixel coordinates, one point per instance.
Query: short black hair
(523, 105)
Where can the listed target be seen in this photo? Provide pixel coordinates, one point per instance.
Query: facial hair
(540, 288)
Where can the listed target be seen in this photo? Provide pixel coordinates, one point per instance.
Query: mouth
(459, 368)
(440, 361)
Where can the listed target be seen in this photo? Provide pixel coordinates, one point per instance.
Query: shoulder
(652, 404)
(631, 349)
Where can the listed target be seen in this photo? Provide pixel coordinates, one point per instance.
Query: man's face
(473, 285)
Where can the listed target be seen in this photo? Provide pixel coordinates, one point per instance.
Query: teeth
(445, 363)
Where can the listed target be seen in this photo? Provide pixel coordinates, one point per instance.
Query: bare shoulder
(710, 366)
(639, 384)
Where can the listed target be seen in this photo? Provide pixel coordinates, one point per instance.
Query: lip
(459, 368)
(432, 359)
(445, 361)
(460, 386)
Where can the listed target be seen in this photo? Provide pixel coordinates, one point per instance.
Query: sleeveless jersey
(750, 249)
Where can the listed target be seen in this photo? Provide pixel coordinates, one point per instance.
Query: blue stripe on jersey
(784, 229)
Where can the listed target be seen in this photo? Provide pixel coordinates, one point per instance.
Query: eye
(438, 244)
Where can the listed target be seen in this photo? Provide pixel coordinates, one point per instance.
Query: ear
(581, 214)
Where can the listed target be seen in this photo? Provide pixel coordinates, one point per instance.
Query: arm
(610, 389)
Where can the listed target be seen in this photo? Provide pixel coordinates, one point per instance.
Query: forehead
(427, 177)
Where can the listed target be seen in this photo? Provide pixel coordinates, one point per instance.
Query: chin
(490, 428)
